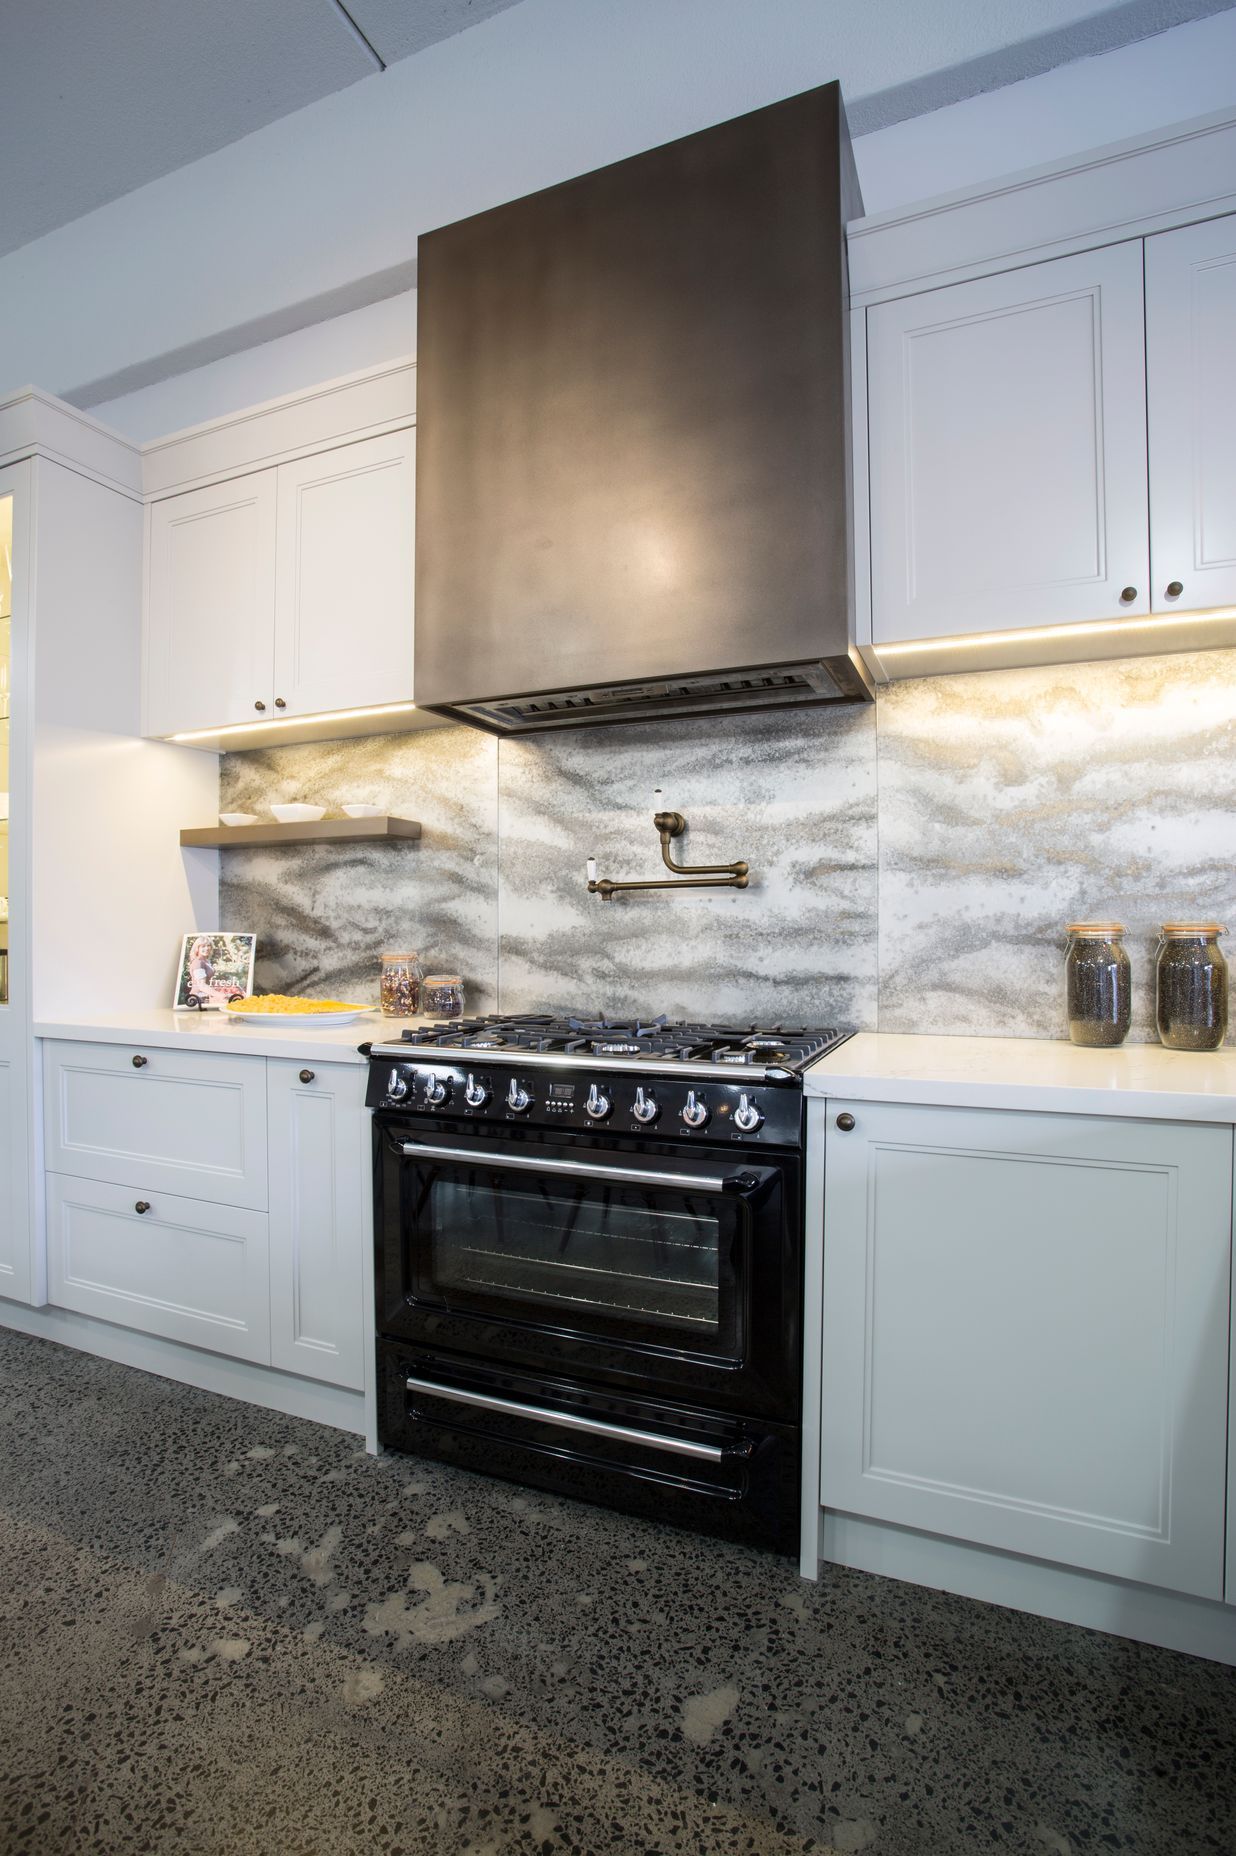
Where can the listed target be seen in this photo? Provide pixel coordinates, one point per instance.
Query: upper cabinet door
(343, 634)
(210, 602)
(1008, 450)
(1191, 373)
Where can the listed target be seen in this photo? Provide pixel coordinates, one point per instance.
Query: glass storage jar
(442, 994)
(1098, 983)
(1191, 986)
(401, 985)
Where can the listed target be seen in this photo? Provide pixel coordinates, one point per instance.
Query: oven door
(679, 1273)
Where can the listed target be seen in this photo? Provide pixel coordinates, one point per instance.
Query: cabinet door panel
(1191, 374)
(345, 578)
(183, 1269)
(319, 1222)
(210, 604)
(1008, 450)
(1025, 1335)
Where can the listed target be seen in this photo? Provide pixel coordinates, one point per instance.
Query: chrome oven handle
(571, 1421)
(743, 1182)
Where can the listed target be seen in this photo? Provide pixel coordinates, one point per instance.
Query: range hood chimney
(633, 444)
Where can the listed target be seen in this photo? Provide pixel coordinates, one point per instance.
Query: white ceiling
(100, 96)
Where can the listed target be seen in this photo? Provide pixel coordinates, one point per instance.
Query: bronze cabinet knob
(140, 1062)
(279, 703)
(845, 1123)
(306, 1076)
(261, 706)
(142, 1207)
(1175, 588)
(1128, 595)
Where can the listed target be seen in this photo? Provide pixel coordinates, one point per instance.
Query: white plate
(307, 1019)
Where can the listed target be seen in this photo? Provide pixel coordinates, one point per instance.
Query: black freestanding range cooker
(589, 1260)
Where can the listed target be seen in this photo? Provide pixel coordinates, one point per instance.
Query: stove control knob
(598, 1104)
(517, 1097)
(397, 1087)
(645, 1108)
(695, 1110)
(476, 1095)
(747, 1117)
(435, 1090)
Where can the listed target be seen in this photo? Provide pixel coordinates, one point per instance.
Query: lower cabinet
(319, 1182)
(181, 1268)
(1025, 1334)
(277, 1279)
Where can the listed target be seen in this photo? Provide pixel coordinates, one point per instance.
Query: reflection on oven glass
(611, 1254)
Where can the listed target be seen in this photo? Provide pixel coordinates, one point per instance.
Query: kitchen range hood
(633, 446)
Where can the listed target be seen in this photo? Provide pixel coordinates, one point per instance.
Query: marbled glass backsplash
(913, 864)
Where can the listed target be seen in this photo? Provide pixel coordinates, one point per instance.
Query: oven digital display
(561, 1092)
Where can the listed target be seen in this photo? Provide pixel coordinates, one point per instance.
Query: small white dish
(305, 1020)
(298, 814)
(355, 810)
(238, 818)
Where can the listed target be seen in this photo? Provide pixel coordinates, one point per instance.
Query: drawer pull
(142, 1207)
(306, 1076)
(140, 1062)
(845, 1122)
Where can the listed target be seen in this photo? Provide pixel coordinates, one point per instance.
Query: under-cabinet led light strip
(1032, 634)
(289, 721)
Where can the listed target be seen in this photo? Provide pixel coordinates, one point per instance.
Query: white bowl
(298, 814)
(355, 810)
(238, 818)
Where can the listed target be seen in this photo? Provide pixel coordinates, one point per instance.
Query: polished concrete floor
(223, 1631)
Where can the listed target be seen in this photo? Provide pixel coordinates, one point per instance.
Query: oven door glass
(652, 1254)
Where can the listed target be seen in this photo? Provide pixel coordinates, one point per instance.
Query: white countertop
(1142, 1080)
(212, 1031)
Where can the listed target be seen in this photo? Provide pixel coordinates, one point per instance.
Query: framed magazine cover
(214, 968)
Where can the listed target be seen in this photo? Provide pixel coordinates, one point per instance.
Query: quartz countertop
(213, 1032)
(1047, 1074)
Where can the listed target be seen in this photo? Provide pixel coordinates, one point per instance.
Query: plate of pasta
(281, 1008)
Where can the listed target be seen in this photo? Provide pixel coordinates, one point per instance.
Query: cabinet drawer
(183, 1269)
(192, 1123)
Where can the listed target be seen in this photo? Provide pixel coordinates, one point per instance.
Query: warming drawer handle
(570, 1421)
(745, 1182)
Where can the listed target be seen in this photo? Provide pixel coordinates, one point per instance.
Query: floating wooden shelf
(381, 830)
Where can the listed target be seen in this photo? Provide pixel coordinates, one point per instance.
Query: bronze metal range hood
(633, 446)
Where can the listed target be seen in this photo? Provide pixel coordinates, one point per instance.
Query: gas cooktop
(630, 1040)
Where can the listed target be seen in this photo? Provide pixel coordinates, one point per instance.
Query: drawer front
(183, 1269)
(191, 1123)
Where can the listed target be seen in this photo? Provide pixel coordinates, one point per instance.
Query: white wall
(324, 206)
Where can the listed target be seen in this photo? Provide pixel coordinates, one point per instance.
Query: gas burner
(629, 1040)
(617, 1047)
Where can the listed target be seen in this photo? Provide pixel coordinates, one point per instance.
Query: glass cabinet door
(6, 660)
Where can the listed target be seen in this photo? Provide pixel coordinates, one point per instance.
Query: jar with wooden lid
(1191, 986)
(1098, 983)
(443, 995)
(400, 991)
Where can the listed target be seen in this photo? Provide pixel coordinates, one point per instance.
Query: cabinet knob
(142, 1207)
(845, 1122)
(1175, 588)
(1128, 595)
(140, 1062)
(279, 703)
(261, 706)
(306, 1076)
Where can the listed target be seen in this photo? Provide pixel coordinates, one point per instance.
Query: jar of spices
(443, 995)
(1191, 986)
(1098, 983)
(401, 985)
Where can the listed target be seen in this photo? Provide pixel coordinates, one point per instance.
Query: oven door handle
(743, 1184)
(574, 1421)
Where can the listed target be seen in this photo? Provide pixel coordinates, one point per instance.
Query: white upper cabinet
(1191, 357)
(1025, 1321)
(210, 599)
(1008, 450)
(344, 577)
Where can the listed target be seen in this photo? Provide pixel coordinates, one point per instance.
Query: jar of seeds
(443, 995)
(1098, 983)
(1191, 986)
(401, 985)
